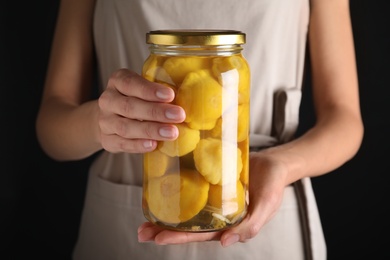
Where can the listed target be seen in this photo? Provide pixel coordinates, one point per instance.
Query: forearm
(328, 145)
(68, 132)
(338, 132)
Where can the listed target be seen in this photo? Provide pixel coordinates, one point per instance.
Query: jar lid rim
(195, 37)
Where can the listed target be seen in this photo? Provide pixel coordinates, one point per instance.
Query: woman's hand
(267, 182)
(135, 113)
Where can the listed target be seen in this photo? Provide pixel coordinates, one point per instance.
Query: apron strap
(303, 214)
(285, 123)
(286, 113)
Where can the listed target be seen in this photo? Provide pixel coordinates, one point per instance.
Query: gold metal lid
(195, 37)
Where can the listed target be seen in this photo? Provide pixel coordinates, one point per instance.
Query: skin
(132, 114)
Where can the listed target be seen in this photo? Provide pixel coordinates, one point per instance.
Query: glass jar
(199, 182)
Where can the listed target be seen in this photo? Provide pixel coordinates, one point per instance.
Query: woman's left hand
(267, 182)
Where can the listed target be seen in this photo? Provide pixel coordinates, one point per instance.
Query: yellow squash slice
(185, 143)
(229, 198)
(176, 198)
(222, 68)
(200, 95)
(219, 162)
(178, 67)
(155, 164)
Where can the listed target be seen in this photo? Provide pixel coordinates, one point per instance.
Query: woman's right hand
(135, 113)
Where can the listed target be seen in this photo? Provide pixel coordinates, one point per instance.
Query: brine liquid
(199, 182)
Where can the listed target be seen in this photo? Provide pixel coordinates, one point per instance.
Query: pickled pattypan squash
(153, 70)
(178, 67)
(200, 95)
(222, 68)
(177, 197)
(185, 143)
(231, 201)
(208, 156)
(244, 175)
(151, 168)
(231, 125)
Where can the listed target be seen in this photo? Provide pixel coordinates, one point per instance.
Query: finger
(139, 109)
(116, 144)
(151, 232)
(147, 232)
(136, 108)
(145, 225)
(133, 129)
(258, 215)
(246, 230)
(130, 83)
(166, 237)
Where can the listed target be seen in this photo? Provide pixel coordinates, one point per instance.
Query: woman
(120, 127)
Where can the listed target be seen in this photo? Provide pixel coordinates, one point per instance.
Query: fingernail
(231, 240)
(163, 93)
(169, 132)
(148, 144)
(174, 113)
(141, 240)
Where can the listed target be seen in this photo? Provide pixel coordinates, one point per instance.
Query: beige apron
(276, 39)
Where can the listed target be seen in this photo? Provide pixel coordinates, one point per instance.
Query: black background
(41, 200)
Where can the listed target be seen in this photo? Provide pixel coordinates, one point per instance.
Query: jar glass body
(199, 182)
